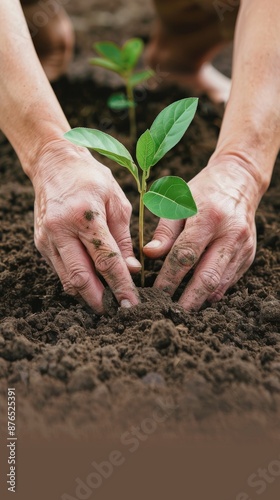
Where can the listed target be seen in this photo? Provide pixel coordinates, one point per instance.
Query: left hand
(219, 242)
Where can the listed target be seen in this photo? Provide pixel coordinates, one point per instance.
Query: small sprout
(122, 60)
(168, 197)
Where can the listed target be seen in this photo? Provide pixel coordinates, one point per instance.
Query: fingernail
(126, 303)
(132, 262)
(153, 244)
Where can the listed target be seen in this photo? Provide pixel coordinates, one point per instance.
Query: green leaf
(121, 60)
(131, 51)
(105, 63)
(171, 124)
(110, 51)
(105, 145)
(140, 77)
(145, 150)
(118, 102)
(170, 197)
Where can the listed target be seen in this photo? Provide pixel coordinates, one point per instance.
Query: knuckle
(79, 279)
(165, 231)
(125, 244)
(217, 216)
(185, 257)
(106, 263)
(210, 279)
(83, 215)
(217, 296)
(244, 231)
(238, 233)
(50, 223)
(68, 288)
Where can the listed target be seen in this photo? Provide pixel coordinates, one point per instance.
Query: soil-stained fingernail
(126, 303)
(132, 262)
(153, 244)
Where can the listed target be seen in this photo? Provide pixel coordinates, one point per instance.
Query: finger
(230, 277)
(109, 262)
(53, 259)
(208, 276)
(118, 224)
(56, 263)
(184, 254)
(164, 237)
(235, 270)
(77, 274)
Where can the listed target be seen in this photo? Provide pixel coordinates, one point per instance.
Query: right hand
(82, 225)
(219, 243)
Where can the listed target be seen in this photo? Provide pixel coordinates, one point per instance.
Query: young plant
(122, 60)
(168, 197)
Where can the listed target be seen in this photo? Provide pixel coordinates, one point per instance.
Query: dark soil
(215, 369)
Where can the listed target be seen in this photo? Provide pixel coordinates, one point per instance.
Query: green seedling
(122, 60)
(168, 197)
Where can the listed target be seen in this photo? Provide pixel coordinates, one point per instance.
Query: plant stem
(141, 241)
(141, 227)
(131, 112)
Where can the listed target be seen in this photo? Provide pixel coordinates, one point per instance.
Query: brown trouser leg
(188, 31)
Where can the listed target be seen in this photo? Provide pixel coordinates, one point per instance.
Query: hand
(82, 225)
(219, 242)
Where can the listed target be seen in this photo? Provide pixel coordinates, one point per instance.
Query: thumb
(164, 237)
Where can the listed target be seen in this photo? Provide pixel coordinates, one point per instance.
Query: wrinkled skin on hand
(219, 242)
(82, 226)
